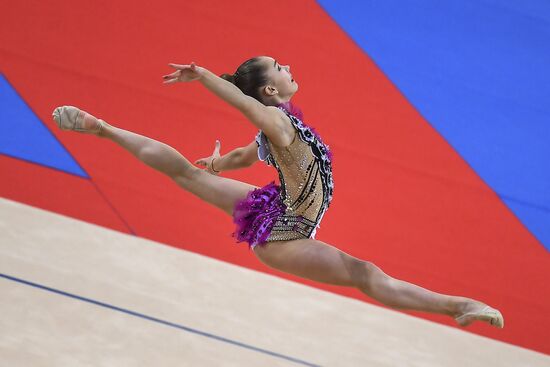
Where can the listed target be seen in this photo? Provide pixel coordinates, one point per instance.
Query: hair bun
(229, 77)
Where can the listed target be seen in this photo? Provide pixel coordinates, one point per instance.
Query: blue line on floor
(154, 319)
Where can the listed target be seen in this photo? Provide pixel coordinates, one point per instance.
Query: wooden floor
(74, 294)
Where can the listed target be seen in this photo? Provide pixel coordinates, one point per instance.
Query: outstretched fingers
(183, 73)
(178, 66)
(217, 148)
(172, 78)
(191, 66)
(175, 74)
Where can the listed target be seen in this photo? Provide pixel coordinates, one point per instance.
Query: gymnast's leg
(318, 261)
(218, 191)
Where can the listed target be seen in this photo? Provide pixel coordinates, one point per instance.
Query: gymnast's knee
(185, 176)
(366, 275)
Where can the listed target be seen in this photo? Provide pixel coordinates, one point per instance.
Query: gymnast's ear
(270, 90)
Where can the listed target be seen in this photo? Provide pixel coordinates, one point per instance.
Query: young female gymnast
(278, 222)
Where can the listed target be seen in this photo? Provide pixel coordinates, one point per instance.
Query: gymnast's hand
(208, 162)
(183, 73)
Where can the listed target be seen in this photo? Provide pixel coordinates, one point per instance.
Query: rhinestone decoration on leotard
(305, 173)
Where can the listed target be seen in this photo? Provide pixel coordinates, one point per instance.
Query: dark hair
(249, 78)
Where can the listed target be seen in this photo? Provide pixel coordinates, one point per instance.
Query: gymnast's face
(281, 84)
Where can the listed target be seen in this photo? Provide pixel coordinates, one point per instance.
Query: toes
(498, 321)
(65, 117)
(57, 115)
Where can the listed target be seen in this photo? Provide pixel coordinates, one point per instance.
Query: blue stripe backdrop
(478, 71)
(25, 137)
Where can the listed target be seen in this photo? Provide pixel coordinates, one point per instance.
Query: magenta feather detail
(255, 215)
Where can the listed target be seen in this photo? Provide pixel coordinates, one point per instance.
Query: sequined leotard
(293, 210)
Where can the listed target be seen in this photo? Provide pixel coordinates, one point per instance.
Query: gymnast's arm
(269, 119)
(237, 158)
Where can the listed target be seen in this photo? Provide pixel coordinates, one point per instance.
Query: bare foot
(477, 311)
(72, 118)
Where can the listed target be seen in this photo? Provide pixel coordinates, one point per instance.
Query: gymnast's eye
(279, 67)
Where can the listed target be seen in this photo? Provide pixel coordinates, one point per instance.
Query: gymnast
(277, 221)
